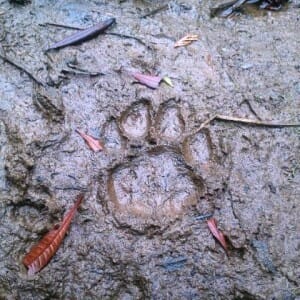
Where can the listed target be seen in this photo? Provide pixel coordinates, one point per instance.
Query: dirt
(137, 235)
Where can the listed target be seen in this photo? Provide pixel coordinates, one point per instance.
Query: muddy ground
(136, 236)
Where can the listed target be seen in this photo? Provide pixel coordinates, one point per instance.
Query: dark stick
(13, 63)
(252, 109)
(83, 35)
(155, 11)
(107, 33)
(126, 37)
(78, 71)
(203, 217)
(61, 26)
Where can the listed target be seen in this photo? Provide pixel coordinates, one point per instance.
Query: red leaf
(41, 253)
(212, 225)
(93, 143)
(148, 80)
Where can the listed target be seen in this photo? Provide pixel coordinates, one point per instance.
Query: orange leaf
(93, 143)
(41, 253)
(186, 40)
(148, 80)
(212, 225)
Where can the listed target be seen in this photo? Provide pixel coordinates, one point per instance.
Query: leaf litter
(148, 80)
(41, 253)
(92, 142)
(83, 35)
(168, 81)
(212, 225)
(186, 40)
(151, 81)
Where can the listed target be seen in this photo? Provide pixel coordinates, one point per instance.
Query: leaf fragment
(186, 40)
(83, 35)
(41, 253)
(93, 143)
(148, 80)
(212, 225)
(168, 81)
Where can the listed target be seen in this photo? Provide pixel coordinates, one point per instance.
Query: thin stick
(251, 108)
(77, 71)
(61, 26)
(106, 33)
(205, 123)
(254, 122)
(155, 11)
(16, 65)
(246, 121)
(203, 217)
(126, 37)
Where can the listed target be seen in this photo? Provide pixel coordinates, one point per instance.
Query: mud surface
(136, 236)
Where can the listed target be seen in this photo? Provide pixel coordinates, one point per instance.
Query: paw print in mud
(153, 180)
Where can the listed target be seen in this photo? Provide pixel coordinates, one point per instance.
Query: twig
(155, 11)
(127, 37)
(16, 65)
(247, 122)
(77, 72)
(76, 188)
(203, 217)
(106, 33)
(251, 109)
(83, 71)
(205, 123)
(254, 122)
(60, 25)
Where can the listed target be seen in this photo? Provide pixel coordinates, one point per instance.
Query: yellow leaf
(168, 81)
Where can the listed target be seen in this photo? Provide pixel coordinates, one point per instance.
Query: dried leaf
(186, 40)
(212, 225)
(41, 253)
(83, 35)
(168, 81)
(148, 80)
(93, 143)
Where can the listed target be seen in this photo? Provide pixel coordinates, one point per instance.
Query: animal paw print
(156, 182)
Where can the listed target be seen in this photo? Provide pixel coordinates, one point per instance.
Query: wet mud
(141, 231)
